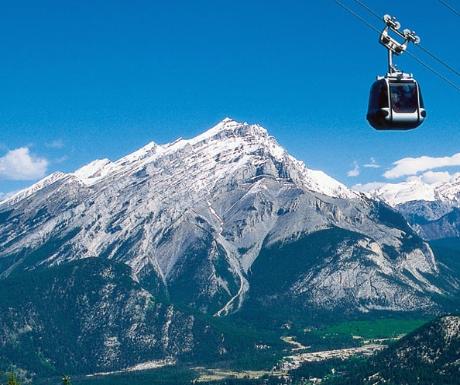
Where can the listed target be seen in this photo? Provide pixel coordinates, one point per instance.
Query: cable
(441, 76)
(362, 19)
(452, 69)
(447, 5)
(415, 57)
(376, 15)
(369, 9)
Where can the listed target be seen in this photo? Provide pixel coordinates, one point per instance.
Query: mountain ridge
(98, 169)
(416, 188)
(431, 208)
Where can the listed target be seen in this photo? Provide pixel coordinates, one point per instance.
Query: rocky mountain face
(223, 223)
(430, 355)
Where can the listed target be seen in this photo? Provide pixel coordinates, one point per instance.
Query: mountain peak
(229, 127)
(92, 170)
(227, 120)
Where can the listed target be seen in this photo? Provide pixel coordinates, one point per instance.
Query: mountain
(431, 208)
(224, 224)
(416, 189)
(428, 356)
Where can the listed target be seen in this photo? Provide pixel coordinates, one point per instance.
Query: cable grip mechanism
(392, 44)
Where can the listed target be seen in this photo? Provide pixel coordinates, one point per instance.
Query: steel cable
(415, 57)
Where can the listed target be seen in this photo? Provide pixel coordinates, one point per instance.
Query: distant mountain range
(433, 209)
(140, 257)
(415, 189)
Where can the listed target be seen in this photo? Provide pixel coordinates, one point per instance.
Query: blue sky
(82, 80)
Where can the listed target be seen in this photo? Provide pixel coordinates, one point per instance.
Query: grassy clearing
(372, 329)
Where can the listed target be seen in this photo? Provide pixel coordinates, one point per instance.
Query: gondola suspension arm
(392, 45)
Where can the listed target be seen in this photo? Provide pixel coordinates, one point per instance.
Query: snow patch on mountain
(93, 171)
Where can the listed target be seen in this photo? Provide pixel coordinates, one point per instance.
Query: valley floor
(300, 362)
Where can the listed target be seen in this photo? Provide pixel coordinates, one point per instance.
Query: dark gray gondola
(395, 101)
(395, 104)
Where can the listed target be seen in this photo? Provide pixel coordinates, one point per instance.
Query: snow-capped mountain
(205, 208)
(398, 193)
(225, 222)
(415, 189)
(431, 208)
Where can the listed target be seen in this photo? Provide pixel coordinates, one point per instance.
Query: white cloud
(20, 164)
(372, 164)
(413, 166)
(354, 172)
(434, 177)
(57, 143)
(431, 177)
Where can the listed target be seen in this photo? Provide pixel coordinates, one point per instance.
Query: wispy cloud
(56, 144)
(372, 163)
(20, 164)
(355, 171)
(413, 166)
(61, 159)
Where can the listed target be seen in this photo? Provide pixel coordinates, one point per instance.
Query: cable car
(396, 103)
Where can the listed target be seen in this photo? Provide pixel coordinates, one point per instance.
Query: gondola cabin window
(404, 97)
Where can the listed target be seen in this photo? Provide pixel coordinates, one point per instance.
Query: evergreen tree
(12, 379)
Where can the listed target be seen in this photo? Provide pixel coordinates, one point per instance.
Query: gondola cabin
(395, 103)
